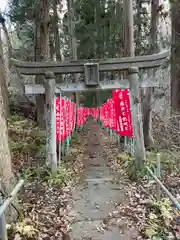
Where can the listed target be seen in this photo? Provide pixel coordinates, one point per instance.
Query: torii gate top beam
(105, 65)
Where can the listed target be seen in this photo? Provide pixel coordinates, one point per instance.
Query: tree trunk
(3, 82)
(42, 52)
(147, 93)
(139, 28)
(175, 55)
(8, 66)
(8, 40)
(146, 96)
(128, 30)
(6, 174)
(39, 79)
(73, 43)
(134, 85)
(57, 45)
(56, 30)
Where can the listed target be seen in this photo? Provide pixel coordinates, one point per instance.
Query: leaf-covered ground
(45, 200)
(157, 220)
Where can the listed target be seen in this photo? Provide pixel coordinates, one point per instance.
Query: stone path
(96, 196)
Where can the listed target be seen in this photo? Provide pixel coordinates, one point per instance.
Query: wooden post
(3, 230)
(136, 115)
(60, 143)
(4, 203)
(158, 174)
(50, 97)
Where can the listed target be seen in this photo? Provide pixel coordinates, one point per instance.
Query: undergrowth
(28, 146)
(25, 137)
(168, 165)
(43, 175)
(161, 216)
(159, 219)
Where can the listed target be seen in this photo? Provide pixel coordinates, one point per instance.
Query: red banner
(60, 116)
(70, 118)
(112, 114)
(123, 112)
(94, 112)
(101, 114)
(82, 115)
(106, 115)
(65, 118)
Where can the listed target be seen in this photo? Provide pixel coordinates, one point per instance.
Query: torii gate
(91, 82)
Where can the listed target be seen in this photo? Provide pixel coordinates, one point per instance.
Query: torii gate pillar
(50, 109)
(133, 78)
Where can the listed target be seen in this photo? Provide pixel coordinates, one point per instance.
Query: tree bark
(147, 93)
(5, 71)
(42, 52)
(139, 28)
(146, 97)
(56, 30)
(57, 45)
(8, 66)
(73, 43)
(128, 29)
(6, 174)
(8, 40)
(175, 55)
(3, 82)
(133, 78)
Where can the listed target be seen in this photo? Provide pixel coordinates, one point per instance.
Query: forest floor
(45, 200)
(92, 196)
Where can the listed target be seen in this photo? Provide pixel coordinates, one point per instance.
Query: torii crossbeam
(105, 65)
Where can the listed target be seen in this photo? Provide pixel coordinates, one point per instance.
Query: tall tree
(175, 55)
(56, 30)
(41, 50)
(3, 81)
(31, 19)
(6, 174)
(147, 93)
(8, 40)
(134, 83)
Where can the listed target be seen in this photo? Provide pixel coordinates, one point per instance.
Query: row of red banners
(66, 117)
(115, 114)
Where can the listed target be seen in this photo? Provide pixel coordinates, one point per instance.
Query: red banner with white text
(123, 112)
(65, 118)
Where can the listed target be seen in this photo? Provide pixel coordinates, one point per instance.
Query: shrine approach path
(98, 194)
